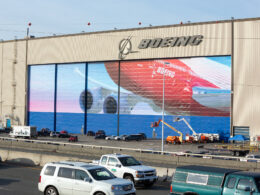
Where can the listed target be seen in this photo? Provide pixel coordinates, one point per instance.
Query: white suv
(67, 178)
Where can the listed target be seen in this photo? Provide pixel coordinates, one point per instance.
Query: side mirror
(118, 165)
(88, 179)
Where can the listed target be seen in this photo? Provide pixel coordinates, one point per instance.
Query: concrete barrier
(4, 154)
(41, 153)
(40, 159)
(27, 158)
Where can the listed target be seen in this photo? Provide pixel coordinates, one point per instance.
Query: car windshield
(129, 161)
(101, 174)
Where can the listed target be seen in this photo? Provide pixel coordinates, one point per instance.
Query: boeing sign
(171, 42)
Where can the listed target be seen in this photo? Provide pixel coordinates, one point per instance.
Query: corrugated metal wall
(246, 108)
(104, 46)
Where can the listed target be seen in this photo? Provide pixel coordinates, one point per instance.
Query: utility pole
(26, 76)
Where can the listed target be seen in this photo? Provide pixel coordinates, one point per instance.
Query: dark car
(7, 130)
(90, 133)
(2, 130)
(143, 135)
(100, 136)
(44, 132)
(63, 134)
(102, 132)
(136, 137)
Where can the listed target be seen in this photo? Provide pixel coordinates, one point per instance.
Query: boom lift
(199, 137)
(195, 136)
(170, 139)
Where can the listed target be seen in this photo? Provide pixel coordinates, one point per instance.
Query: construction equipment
(170, 139)
(199, 137)
(195, 136)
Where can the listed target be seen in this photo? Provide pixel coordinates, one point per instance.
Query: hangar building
(123, 80)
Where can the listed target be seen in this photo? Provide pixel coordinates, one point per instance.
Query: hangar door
(241, 130)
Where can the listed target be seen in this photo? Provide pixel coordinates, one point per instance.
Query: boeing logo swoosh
(125, 47)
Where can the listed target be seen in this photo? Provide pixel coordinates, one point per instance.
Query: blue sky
(50, 17)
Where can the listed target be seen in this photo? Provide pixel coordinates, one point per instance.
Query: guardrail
(206, 156)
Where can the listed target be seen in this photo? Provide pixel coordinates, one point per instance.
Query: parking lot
(148, 144)
(205, 150)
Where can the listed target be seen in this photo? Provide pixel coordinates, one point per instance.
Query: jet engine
(110, 105)
(94, 100)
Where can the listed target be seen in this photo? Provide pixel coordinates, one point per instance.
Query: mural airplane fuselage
(196, 86)
(186, 92)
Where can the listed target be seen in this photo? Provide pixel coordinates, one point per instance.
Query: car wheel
(130, 178)
(100, 193)
(51, 191)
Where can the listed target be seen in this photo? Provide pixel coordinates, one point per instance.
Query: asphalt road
(23, 180)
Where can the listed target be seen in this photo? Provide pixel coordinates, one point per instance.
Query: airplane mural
(192, 86)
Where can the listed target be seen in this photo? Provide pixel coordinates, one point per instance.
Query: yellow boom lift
(170, 139)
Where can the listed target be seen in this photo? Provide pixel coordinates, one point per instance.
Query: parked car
(112, 137)
(2, 129)
(64, 134)
(100, 136)
(90, 133)
(143, 135)
(121, 137)
(54, 134)
(205, 180)
(251, 158)
(44, 132)
(100, 132)
(73, 138)
(68, 178)
(7, 130)
(136, 137)
(127, 167)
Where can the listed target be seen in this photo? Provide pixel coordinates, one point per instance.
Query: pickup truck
(127, 167)
(203, 180)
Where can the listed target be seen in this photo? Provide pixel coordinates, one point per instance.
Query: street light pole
(163, 110)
